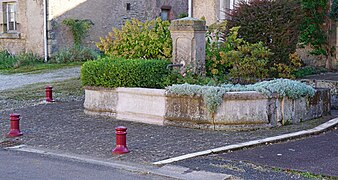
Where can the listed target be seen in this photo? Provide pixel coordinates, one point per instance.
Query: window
(165, 12)
(10, 23)
(128, 6)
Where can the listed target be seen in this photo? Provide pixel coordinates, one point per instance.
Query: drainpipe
(190, 8)
(45, 38)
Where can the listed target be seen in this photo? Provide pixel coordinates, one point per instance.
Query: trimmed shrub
(112, 72)
(137, 40)
(276, 23)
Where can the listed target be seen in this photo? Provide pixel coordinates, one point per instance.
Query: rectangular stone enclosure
(238, 111)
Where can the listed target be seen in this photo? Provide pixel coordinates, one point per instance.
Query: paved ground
(318, 154)
(23, 166)
(18, 80)
(63, 126)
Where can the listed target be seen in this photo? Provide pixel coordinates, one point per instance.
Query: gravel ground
(18, 80)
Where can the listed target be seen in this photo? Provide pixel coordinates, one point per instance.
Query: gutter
(190, 8)
(45, 37)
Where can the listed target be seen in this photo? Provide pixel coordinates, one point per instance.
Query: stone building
(212, 10)
(36, 25)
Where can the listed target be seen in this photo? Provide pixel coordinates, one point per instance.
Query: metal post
(121, 140)
(15, 127)
(49, 94)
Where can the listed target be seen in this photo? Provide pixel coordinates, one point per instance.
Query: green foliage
(243, 60)
(213, 95)
(149, 40)
(274, 23)
(215, 66)
(79, 29)
(287, 71)
(112, 72)
(309, 70)
(74, 54)
(9, 61)
(334, 10)
(182, 15)
(186, 75)
(313, 28)
(27, 59)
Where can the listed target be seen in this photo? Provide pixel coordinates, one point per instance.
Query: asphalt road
(22, 166)
(317, 154)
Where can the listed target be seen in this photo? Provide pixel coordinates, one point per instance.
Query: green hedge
(108, 72)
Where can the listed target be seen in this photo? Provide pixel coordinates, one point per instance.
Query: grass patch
(61, 90)
(308, 175)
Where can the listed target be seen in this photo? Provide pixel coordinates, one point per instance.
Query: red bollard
(121, 140)
(49, 94)
(15, 129)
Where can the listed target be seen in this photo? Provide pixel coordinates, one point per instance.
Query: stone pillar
(188, 36)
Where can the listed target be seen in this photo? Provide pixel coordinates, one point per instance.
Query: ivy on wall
(316, 27)
(79, 29)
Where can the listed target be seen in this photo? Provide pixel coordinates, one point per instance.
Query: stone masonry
(188, 35)
(105, 14)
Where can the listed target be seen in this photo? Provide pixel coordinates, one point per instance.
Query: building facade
(212, 10)
(23, 26)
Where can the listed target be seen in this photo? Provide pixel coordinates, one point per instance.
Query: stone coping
(239, 110)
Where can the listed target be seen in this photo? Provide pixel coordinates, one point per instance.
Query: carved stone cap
(188, 24)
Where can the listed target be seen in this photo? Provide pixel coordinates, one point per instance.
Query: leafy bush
(186, 75)
(243, 60)
(149, 40)
(213, 95)
(27, 59)
(215, 66)
(305, 71)
(8, 60)
(74, 54)
(276, 23)
(334, 10)
(287, 71)
(112, 72)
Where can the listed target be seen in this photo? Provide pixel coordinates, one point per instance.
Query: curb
(167, 171)
(316, 130)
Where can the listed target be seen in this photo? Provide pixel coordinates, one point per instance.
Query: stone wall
(328, 84)
(239, 110)
(105, 15)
